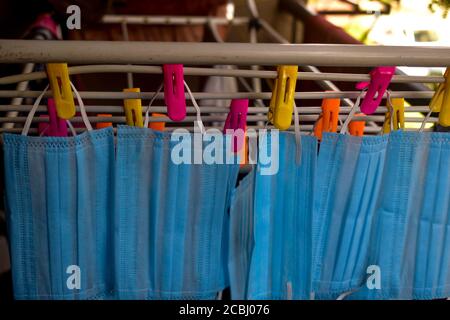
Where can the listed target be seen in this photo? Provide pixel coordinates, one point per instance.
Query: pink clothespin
(45, 21)
(380, 77)
(56, 127)
(237, 119)
(174, 91)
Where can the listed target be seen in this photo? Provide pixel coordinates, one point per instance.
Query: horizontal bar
(204, 109)
(172, 20)
(220, 95)
(191, 71)
(306, 129)
(135, 52)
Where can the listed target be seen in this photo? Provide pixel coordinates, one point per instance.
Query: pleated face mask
(410, 246)
(270, 249)
(58, 192)
(348, 180)
(171, 216)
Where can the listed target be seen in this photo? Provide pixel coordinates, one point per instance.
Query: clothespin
(157, 126)
(237, 119)
(55, 127)
(244, 151)
(282, 100)
(441, 100)
(328, 120)
(101, 125)
(174, 91)
(133, 109)
(397, 117)
(380, 77)
(356, 128)
(58, 76)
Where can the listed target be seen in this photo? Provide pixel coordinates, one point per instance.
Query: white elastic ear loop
(147, 112)
(26, 126)
(197, 108)
(425, 120)
(82, 109)
(298, 137)
(351, 113)
(72, 129)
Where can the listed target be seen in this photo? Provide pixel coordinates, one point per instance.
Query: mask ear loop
(298, 137)
(352, 112)
(197, 108)
(84, 116)
(391, 110)
(425, 120)
(147, 112)
(26, 126)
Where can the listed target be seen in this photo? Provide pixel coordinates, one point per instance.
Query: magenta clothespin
(45, 21)
(380, 77)
(237, 119)
(174, 91)
(55, 127)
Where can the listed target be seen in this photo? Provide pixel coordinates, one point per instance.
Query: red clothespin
(380, 77)
(101, 125)
(328, 120)
(56, 127)
(174, 91)
(237, 119)
(356, 128)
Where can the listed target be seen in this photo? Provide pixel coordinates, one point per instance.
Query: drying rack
(246, 59)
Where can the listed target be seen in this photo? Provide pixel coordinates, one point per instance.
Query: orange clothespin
(157, 126)
(58, 77)
(356, 128)
(101, 125)
(328, 120)
(133, 109)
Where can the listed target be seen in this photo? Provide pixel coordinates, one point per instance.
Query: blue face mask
(411, 237)
(348, 181)
(171, 218)
(270, 227)
(58, 192)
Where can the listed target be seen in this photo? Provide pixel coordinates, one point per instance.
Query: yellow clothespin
(58, 76)
(282, 100)
(441, 100)
(133, 109)
(397, 117)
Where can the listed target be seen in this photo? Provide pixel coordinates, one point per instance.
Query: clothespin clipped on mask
(157, 126)
(101, 125)
(397, 118)
(356, 128)
(441, 100)
(328, 120)
(55, 127)
(283, 95)
(58, 77)
(380, 80)
(133, 109)
(237, 120)
(174, 91)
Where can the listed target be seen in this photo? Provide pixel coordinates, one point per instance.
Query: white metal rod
(306, 129)
(204, 109)
(192, 71)
(171, 20)
(139, 52)
(221, 95)
(205, 118)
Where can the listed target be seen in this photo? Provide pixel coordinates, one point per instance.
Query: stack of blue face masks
(274, 242)
(348, 181)
(171, 219)
(411, 235)
(58, 194)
